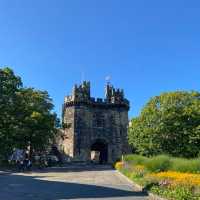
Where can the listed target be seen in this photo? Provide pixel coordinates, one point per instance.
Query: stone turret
(114, 95)
(80, 93)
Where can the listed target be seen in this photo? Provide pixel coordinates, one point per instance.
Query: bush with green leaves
(168, 124)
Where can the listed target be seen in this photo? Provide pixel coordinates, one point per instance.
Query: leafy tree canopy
(26, 117)
(10, 84)
(169, 123)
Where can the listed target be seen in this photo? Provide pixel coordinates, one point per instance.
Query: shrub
(158, 163)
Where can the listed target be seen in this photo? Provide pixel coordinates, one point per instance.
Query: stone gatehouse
(95, 127)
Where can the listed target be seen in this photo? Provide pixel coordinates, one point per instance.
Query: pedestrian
(27, 162)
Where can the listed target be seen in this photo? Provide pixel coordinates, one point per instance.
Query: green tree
(10, 85)
(26, 117)
(169, 123)
(38, 123)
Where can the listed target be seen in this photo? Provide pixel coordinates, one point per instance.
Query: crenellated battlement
(114, 95)
(81, 94)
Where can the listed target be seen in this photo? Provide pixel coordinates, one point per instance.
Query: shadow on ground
(20, 187)
(75, 168)
(63, 168)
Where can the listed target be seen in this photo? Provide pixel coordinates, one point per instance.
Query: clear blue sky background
(147, 47)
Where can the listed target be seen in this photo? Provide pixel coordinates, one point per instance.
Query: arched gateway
(100, 151)
(95, 127)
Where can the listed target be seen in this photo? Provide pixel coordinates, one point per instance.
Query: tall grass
(164, 163)
(135, 159)
(186, 165)
(158, 163)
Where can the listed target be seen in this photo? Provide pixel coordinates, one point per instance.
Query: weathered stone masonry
(95, 124)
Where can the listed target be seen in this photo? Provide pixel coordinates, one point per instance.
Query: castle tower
(95, 127)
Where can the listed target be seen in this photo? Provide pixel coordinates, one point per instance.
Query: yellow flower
(139, 167)
(119, 165)
(178, 178)
(138, 170)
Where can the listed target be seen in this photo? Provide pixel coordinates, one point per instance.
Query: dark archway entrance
(100, 148)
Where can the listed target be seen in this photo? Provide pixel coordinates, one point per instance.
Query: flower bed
(156, 175)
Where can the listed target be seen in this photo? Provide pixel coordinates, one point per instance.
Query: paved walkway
(68, 183)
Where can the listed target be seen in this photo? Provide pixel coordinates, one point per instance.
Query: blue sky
(147, 47)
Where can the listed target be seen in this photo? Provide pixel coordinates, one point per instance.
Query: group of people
(24, 164)
(21, 159)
